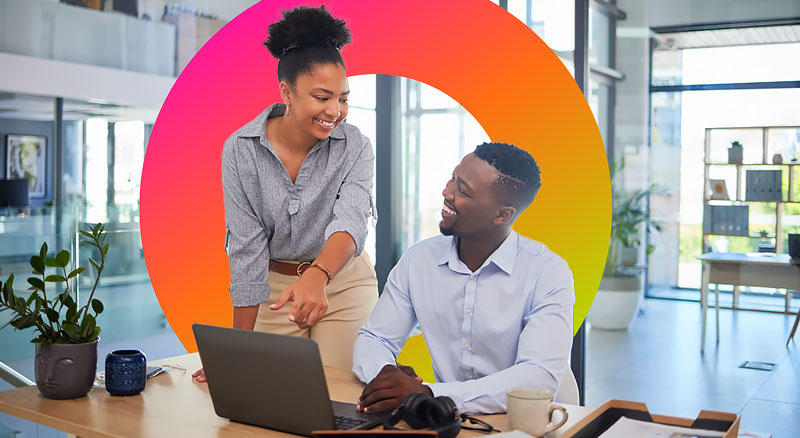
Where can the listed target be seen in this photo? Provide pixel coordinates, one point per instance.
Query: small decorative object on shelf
(719, 190)
(126, 372)
(735, 153)
(766, 245)
(777, 159)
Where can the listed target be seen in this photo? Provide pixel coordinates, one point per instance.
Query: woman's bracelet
(314, 265)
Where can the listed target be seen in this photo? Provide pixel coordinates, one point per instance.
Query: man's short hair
(519, 175)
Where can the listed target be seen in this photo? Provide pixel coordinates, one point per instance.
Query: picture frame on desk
(26, 158)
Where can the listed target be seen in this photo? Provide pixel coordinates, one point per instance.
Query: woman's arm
(246, 243)
(245, 317)
(308, 293)
(345, 238)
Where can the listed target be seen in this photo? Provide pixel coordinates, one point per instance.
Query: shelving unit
(737, 197)
(737, 191)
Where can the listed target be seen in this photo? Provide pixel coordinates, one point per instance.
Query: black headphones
(422, 411)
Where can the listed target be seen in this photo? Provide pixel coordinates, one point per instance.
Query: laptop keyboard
(344, 423)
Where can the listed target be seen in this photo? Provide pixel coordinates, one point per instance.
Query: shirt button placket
(466, 329)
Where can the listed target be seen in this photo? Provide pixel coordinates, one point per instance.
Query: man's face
(471, 204)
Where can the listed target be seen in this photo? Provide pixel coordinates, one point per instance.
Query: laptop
(273, 381)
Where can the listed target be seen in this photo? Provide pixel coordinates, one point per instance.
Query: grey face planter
(65, 370)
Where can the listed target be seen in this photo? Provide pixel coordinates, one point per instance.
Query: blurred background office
(81, 84)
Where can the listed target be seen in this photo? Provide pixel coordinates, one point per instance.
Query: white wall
(681, 12)
(45, 77)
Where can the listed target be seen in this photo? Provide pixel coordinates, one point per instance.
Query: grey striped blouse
(268, 216)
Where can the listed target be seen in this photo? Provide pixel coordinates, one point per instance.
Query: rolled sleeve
(246, 241)
(354, 202)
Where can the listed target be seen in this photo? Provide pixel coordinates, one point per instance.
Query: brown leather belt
(288, 268)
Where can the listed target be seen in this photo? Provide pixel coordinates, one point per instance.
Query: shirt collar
(257, 127)
(503, 257)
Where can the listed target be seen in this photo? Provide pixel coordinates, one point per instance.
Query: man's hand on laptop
(199, 375)
(308, 295)
(388, 389)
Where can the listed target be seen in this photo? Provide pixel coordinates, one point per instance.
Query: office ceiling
(38, 108)
(741, 36)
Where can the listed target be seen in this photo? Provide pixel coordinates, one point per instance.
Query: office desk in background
(761, 270)
(173, 404)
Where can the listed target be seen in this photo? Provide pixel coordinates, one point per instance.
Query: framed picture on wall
(26, 158)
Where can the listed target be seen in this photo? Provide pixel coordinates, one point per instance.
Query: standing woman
(298, 193)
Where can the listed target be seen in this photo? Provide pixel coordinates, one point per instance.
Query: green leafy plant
(628, 214)
(736, 144)
(57, 320)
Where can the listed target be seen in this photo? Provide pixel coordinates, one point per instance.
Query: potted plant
(66, 334)
(620, 291)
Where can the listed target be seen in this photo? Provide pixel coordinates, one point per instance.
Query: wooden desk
(773, 270)
(174, 405)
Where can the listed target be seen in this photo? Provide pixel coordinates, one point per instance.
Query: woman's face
(318, 100)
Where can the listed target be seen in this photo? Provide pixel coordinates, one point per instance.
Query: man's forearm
(369, 356)
(487, 395)
(245, 317)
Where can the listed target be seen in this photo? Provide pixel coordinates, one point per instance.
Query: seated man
(495, 307)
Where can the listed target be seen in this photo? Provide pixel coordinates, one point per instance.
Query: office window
(600, 26)
(601, 102)
(706, 109)
(128, 163)
(436, 132)
(552, 20)
(362, 115)
(96, 170)
(679, 116)
(723, 65)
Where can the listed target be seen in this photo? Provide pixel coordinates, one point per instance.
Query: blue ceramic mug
(125, 372)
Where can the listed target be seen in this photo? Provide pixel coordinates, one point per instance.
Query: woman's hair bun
(306, 26)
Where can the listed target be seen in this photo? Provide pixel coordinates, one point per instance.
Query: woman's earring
(286, 113)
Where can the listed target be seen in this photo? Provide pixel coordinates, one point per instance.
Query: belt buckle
(300, 268)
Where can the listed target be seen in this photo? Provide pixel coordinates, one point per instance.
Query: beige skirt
(351, 296)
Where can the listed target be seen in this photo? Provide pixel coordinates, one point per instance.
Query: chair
(568, 389)
(796, 319)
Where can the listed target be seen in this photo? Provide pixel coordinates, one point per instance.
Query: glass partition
(132, 315)
(50, 30)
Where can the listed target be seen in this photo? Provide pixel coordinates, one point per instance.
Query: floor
(657, 361)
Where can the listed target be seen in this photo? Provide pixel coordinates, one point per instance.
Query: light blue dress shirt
(506, 325)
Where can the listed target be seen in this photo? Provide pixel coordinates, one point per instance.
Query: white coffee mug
(531, 411)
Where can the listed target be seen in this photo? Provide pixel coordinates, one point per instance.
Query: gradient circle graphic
(472, 50)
